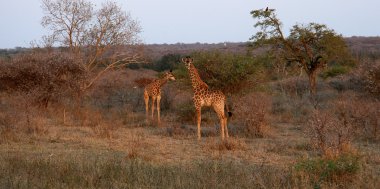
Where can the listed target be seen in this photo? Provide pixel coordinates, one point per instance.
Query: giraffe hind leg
(219, 110)
(153, 101)
(198, 112)
(225, 127)
(158, 109)
(221, 118)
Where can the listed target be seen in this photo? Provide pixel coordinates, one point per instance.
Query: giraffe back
(153, 89)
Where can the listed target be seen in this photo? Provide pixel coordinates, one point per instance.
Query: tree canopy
(310, 46)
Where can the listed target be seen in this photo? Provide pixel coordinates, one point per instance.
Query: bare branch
(92, 35)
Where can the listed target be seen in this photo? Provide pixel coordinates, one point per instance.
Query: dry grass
(70, 157)
(104, 141)
(99, 171)
(230, 144)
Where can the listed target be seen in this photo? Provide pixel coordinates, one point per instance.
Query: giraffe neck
(162, 81)
(196, 80)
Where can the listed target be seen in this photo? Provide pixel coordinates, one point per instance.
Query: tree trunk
(312, 82)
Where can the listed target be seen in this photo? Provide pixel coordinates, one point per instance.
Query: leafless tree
(68, 20)
(93, 34)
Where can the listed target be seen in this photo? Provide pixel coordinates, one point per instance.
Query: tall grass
(324, 171)
(116, 171)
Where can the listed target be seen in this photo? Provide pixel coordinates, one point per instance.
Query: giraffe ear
(192, 59)
(183, 60)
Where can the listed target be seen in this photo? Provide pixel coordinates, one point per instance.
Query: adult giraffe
(203, 96)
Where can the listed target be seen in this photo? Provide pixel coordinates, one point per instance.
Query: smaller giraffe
(153, 90)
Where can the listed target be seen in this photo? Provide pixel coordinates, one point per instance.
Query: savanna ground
(281, 137)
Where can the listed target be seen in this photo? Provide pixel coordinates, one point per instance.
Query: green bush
(334, 71)
(181, 72)
(166, 62)
(186, 112)
(225, 71)
(322, 170)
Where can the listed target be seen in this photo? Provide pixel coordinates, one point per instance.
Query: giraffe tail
(228, 111)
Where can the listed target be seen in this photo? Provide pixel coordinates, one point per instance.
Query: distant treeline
(361, 47)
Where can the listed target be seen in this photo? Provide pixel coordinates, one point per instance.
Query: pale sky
(204, 21)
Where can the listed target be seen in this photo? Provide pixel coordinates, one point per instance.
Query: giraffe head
(169, 75)
(188, 61)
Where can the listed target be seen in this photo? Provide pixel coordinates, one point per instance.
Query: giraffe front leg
(198, 112)
(158, 109)
(153, 99)
(146, 99)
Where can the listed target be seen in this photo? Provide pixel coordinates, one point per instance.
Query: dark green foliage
(335, 71)
(181, 73)
(225, 71)
(134, 66)
(166, 62)
(186, 112)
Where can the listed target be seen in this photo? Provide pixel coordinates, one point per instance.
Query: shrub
(329, 171)
(43, 77)
(372, 79)
(186, 112)
(364, 114)
(365, 78)
(332, 131)
(319, 130)
(166, 62)
(20, 122)
(228, 72)
(167, 97)
(294, 86)
(334, 71)
(252, 111)
(181, 73)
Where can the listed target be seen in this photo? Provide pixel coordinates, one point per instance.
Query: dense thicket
(44, 77)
